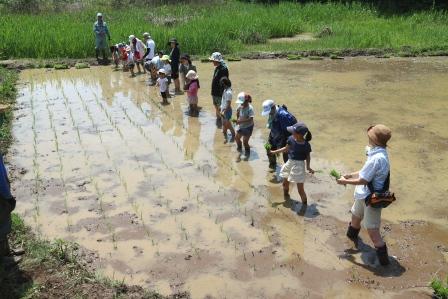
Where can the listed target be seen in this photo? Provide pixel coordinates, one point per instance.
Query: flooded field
(165, 204)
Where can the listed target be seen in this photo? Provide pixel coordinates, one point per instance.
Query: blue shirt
(298, 150)
(281, 120)
(5, 193)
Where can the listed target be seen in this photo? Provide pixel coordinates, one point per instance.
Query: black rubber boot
(272, 162)
(352, 233)
(383, 257)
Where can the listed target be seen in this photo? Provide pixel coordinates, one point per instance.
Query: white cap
(146, 34)
(191, 75)
(267, 106)
(99, 15)
(131, 37)
(242, 97)
(216, 56)
(162, 71)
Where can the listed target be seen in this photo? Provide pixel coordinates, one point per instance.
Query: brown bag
(380, 199)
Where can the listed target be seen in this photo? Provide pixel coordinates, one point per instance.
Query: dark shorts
(175, 75)
(217, 100)
(164, 94)
(5, 218)
(227, 115)
(246, 131)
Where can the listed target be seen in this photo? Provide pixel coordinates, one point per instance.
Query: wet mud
(165, 204)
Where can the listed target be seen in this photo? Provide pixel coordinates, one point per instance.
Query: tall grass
(230, 27)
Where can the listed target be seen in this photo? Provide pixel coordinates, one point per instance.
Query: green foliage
(334, 173)
(440, 288)
(8, 91)
(231, 27)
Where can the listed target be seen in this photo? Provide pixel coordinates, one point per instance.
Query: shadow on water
(370, 261)
(307, 211)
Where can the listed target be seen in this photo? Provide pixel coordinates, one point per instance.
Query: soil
(166, 205)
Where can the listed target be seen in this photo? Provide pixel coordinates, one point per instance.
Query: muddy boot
(383, 257)
(97, 54)
(272, 161)
(352, 233)
(4, 247)
(105, 60)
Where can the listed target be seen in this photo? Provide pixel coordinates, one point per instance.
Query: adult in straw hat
(101, 32)
(376, 170)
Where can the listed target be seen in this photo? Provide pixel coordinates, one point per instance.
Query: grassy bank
(8, 79)
(55, 270)
(232, 27)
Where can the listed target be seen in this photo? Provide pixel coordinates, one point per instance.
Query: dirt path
(166, 205)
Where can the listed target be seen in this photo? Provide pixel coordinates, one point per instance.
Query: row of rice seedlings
(61, 164)
(99, 194)
(117, 171)
(36, 168)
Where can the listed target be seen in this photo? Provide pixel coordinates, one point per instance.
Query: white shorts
(371, 216)
(294, 171)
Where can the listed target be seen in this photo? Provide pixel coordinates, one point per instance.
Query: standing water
(165, 203)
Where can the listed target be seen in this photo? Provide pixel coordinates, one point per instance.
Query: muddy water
(167, 205)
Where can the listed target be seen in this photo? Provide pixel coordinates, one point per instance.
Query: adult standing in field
(150, 47)
(373, 177)
(279, 119)
(175, 60)
(102, 35)
(7, 205)
(220, 72)
(138, 48)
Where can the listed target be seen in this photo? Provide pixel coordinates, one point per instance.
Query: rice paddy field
(162, 203)
(230, 27)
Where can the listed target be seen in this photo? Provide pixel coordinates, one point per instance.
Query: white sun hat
(191, 75)
(216, 56)
(99, 15)
(131, 37)
(267, 106)
(146, 35)
(242, 97)
(162, 71)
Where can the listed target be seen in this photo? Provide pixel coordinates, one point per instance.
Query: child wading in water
(245, 122)
(162, 82)
(226, 109)
(192, 92)
(130, 63)
(299, 150)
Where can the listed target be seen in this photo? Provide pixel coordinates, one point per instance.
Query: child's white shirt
(167, 68)
(163, 84)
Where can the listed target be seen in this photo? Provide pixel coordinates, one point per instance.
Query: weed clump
(82, 65)
(60, 66)
(439, 288)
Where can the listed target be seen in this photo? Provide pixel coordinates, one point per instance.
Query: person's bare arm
(352, 180)
(280, 150)
(308, 164)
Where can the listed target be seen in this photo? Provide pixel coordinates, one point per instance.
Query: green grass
(232, 27)
(440, 288)
(8, 91)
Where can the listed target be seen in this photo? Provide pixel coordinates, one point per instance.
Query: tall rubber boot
(97, 54)
(383, 257)
(272, 161)
(104, 55)
(352, 233)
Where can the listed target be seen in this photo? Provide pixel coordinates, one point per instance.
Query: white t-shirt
(376, 168)
(226, 98)
(167, 68)
(163, 84)
(151, 45)
(130, 57)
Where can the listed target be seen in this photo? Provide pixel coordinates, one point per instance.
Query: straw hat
(379, 134)
(166, 58)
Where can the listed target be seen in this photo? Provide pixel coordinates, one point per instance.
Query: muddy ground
(166, 205)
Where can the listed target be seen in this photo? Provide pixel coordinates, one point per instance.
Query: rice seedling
(334, 173)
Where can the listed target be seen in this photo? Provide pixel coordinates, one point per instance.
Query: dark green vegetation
(232, 27)
(54, 270)
(7, 97)
(440, 288)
